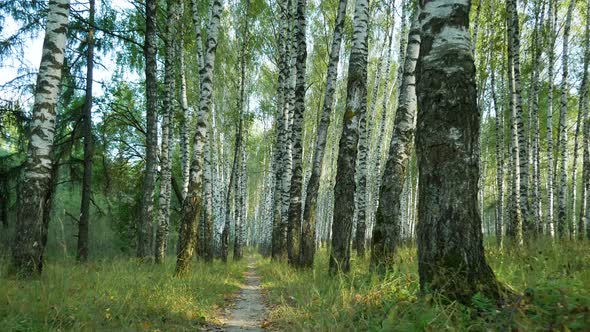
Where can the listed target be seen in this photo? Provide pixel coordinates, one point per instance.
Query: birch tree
(536, 223)
(279, 244)
(550, 72)
(184, 142)
(386, 233)
(208, 215)
(562, 222)
(499, 127)
(28, 247)
(241, 201)
(165, 151)
(356, 105)
(520, 220)
(294, 223)
(310, 212)
(451, 258)
(193, 205)
(231, 186)
(385, 98)
(374, 155)
(145, 222)
(584, 219)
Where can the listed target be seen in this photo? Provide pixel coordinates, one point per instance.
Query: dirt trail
(249, 310)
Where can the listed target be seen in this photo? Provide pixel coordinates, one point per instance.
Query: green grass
(117, 295)
(552, 283)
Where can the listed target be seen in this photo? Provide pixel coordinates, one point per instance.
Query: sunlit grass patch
(119, 294)
(552, 283)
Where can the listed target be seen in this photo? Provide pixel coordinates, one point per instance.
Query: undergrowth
(551, 283)
(116, 295)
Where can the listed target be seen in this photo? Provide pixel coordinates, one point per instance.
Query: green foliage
(115, 295)
(550, 282)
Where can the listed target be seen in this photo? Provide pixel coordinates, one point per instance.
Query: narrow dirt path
(249, 310)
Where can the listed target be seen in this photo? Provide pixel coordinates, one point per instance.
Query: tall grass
(117, 295)
(552, 283)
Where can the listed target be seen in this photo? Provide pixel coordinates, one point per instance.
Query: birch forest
(294, 165)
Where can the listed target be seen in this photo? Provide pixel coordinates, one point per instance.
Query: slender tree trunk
(82, 253)
(449, 226)
(311, 198)
(241, 201)
(207, 236)
(520, 218)
(199, 42)
(376, 126)
(231, 186)
(537, 227)
(279, 244)
(291, 52)
(193, 205)
(562, 222)
(295, 208)
(386, 233)
(583, 109)
(165, 156)
(573, 224)
(356, 105)
(362, 194)
(184, 121)
(145, 223)
(385, 100)
(238, 201)
(28, 248)
(361, 188)
(550, 170)
(510, 206)
(499, 150)
(476, 27)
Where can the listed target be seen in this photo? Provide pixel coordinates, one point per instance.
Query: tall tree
(534, 118)
(231, 186)
(311, 198)
(584, 109)
(290, 82)
(28, 248)
(193, 205)
(386, 233)
(206, 237)
(279, 244)
(562, 222)
(552, 17)
(165, 155)
(520, 220)
(184, 141)
(82, 253)
(356, 105)
(145, 223)
(451, 258)
(294, 223)
(235, 175)
(240, 199)
(499, 122)
(385, 98)
(378, 125)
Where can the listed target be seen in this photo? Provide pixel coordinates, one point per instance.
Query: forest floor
(551, 280)
(249, 310)
(118, 294)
